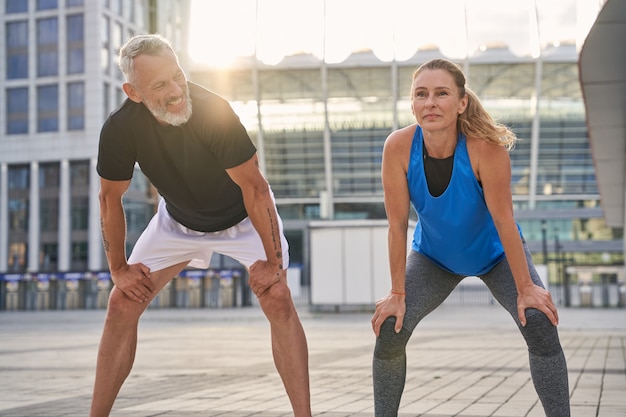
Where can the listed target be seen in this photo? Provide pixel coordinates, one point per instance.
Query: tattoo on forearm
(105, 242)
(275, 232)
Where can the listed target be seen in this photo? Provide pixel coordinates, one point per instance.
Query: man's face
(160, 84)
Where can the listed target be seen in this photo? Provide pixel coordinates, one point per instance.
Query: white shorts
(165, 242)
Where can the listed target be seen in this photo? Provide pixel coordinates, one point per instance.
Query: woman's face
(435, 100)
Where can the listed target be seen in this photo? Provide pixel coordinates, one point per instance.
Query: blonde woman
(453, 167)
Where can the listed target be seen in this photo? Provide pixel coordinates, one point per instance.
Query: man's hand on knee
(263, 275)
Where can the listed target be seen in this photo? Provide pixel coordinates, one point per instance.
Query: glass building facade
(60, 81)
(320, 130)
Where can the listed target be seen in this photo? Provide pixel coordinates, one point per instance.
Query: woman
(453, 167)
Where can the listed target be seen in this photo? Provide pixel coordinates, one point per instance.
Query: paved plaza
(463, 361)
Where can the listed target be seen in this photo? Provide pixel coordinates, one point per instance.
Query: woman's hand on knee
(534, 296)
(391, 305)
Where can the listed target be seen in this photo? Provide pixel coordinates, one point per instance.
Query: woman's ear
(464, 103)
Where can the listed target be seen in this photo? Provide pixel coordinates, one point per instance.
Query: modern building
(60, 80)
(319, 128)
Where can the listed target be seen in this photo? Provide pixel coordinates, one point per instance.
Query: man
(192, 147)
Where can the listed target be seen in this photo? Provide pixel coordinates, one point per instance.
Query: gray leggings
(427, 286)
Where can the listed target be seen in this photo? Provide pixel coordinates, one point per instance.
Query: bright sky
(223, 30)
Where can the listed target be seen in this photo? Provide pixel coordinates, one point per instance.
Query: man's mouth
(175, 102)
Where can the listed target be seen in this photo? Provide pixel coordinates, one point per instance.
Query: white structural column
(327, 197)
(95, 241)
(33, 219)
(65, 223)
(535, 39)
(4, 217)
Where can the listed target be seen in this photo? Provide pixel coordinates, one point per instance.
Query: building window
(17, 50)
(17, 111)
(49, 214)
(80, 213)
(47, 47)
(106, 101)
(49, 256)
(80, 252)
(49, 176)
(79, 174)
(19, 183)
(48, 108)
(74, 3)
(117, 39)
(19, 177)
(76, 106)
(16, 6)
(75, 44)
(105, 57)
(46, 4)
(17, 257)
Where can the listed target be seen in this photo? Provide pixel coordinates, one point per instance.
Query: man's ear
(131, 92)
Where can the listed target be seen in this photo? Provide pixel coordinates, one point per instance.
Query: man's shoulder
(203, 96)
(127, 114)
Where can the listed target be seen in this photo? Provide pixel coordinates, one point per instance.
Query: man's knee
(277, 302)
(389, 344)
(119, 305)
(541, 335)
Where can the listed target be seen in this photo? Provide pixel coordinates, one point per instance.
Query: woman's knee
(541, 335)
(389, 344)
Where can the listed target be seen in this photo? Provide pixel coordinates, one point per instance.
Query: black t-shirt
(185, 163)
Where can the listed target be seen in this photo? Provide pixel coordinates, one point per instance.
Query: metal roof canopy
(602, 68)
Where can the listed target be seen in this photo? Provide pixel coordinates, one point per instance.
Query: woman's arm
(494, 172)
(397, 205)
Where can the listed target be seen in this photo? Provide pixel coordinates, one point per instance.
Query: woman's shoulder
(401, 137)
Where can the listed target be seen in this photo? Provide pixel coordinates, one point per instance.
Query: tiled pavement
(463, 361)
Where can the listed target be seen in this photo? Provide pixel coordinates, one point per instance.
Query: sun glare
(222, 31)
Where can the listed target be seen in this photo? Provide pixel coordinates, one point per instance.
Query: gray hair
(149, 44)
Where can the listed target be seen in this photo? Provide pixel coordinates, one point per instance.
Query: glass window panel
(73, 3)
(49, 256)
(47, 4)
(75, 44)
(47, 47)
(16, 6)
(105, 56)
(19, 177)
(48, 108)
(17, 110)
(17, 50)
(79, 173)
(80, 211)
(49, 176)
(49, 214)
(76, 106)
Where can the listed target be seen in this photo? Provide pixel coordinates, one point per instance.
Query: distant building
(60, 80)
(319, 129)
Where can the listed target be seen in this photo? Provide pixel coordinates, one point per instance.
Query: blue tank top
(454, 230)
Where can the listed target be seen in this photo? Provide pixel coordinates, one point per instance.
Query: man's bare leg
(289, 346)
(119, 342)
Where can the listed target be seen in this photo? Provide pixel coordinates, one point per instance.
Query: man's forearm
(113, 228)
(264, 216)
